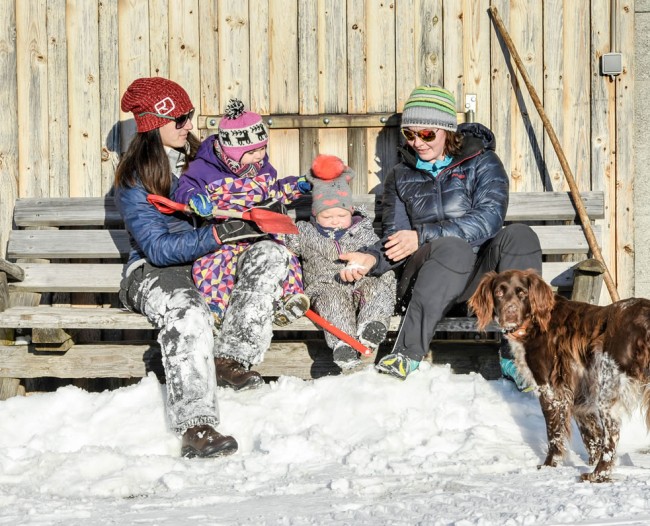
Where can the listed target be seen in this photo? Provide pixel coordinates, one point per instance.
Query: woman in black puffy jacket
(443, 212)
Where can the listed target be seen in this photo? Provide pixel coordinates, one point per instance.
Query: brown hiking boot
(204, 441)
(230, 373)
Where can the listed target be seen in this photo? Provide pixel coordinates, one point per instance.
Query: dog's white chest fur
(519, 353)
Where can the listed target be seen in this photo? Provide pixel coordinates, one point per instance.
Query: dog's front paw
(552, 460)
(595, 477)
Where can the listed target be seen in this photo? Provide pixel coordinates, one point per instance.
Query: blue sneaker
(509, 371)
(397, 365)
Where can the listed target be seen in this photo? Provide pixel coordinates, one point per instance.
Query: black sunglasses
(180, 121)
(424, 135)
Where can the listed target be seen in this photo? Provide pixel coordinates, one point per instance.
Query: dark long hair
(453, 143)
(146, 161)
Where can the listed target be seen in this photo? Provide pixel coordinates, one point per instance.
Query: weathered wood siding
(65, 63)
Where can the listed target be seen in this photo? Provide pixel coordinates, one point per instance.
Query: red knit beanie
(150, 95)
(330, 180)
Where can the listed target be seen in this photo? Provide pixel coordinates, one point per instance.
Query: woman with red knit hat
(157, 279)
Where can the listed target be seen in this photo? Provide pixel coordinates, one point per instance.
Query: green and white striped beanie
(430, 107)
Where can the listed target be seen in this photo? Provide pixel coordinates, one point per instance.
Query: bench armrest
(11, 269)
(587, 281)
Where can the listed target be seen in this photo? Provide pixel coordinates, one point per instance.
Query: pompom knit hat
(149, 97)
(241, 131)
(330, 178)
(430, 107)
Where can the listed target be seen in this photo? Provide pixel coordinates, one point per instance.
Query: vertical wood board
(428, 52)
(332, 84)
(83, 98)
(159, 37)
(134, 57)
(9, 119)
(184, 48)
(357, 46)
(57, 68)
(625, 153)
(284, 58)
(260, 63)
(405, 51)
(380, 57)
(33, 111)
(308, 76)
(234, 51)
(603, 134)
(476, 63)
(109, 94)
(208, 104)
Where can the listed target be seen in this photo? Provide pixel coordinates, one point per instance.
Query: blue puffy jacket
(162, 240)
(467, 199)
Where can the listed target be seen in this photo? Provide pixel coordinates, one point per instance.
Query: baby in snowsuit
(363, 308)
(251, 280)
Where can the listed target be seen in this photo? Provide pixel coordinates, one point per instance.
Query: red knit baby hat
(149, 97)
(241, 131)
(330, 177)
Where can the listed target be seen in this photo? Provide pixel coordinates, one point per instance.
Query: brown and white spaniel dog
(586, 361)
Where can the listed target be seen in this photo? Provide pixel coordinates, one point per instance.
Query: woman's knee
(519, 234)
(451, 252)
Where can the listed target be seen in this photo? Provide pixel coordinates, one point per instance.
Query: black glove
(273, 206)
(234, 230)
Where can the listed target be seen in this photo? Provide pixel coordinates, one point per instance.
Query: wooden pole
(573, 187)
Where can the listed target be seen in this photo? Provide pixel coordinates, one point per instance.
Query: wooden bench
(59, 315)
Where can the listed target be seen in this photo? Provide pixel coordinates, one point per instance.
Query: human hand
(303, 185)
(201, 205)
(359, 264)
(401, 244)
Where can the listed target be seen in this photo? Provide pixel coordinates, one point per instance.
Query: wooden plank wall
(65, 63)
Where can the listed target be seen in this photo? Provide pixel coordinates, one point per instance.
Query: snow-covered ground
(362, 449)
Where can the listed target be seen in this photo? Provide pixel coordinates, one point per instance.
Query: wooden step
(45, 317)
(306, 359)
(105, 277)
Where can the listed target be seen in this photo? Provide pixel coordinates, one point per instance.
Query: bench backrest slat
(101, 211)
(114, 244)
(105, 277)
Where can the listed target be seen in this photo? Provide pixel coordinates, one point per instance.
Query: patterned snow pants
(215, 276)
(168, 298)
(350, 306)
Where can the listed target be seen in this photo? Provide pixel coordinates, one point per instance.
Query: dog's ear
(541, 298)
(482, 301)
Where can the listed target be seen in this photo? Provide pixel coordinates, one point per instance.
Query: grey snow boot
(372, 334)
(345, 356)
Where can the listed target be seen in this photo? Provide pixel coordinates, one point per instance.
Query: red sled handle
(344, 336)
(167, 206)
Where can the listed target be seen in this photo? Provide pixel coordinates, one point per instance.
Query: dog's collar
(518, 333)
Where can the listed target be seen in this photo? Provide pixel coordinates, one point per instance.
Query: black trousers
(446, 272)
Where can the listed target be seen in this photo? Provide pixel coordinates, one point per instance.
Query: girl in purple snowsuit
(251, 280)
